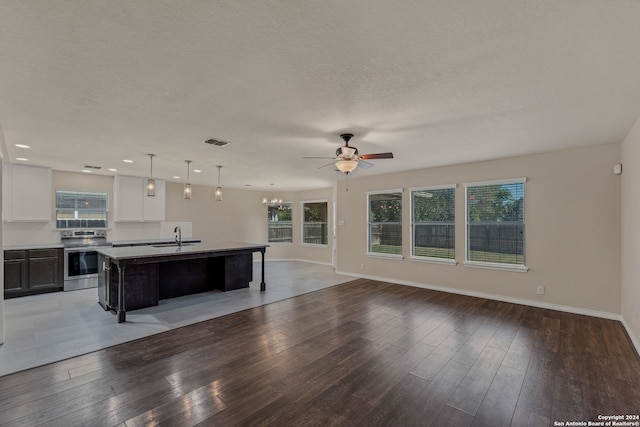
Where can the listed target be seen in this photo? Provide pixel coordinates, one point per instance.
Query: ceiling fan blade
(377, 156)
(328, 164)
(363, 164)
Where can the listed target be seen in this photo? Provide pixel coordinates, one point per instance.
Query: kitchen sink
(169, 245)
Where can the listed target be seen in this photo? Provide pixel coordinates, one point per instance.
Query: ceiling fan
(347, 158)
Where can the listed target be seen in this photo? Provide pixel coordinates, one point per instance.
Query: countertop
(149, 251)
(143, 242)
(27, 247)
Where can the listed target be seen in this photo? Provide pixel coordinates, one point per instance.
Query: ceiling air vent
(216, 142)
(92, 167)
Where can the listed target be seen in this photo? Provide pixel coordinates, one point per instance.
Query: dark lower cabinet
(15, 273)
(33, 271)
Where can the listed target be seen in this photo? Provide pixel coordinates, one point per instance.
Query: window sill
(496, 266)
(280, 243)
(433, 260)
(385, 256)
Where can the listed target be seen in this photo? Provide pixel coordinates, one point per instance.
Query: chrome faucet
(179, 236)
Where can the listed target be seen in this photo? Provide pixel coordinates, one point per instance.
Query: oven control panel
(70, 234)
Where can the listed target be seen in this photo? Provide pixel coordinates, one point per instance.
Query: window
(495, 223)
(280, 224)
(385, 223)
(433, 225)
(314, 223)
(81, 209)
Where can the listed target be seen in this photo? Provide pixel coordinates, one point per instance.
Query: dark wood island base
(132, 278)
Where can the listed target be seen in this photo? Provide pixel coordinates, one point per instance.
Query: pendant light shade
(218, 193)
(151, 183)
(187, 192)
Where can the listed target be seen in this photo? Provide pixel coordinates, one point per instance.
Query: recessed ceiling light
(197, 170)
(112, 170)
(22, 146)
(22, 159)
(86, 170)
(176, 177)
(128, 161)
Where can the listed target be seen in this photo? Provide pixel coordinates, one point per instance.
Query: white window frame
(368, 225)
(302, 223)
(268, 221)
(492, 265)
(435, 260)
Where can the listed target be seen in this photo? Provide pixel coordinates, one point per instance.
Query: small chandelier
(187, 191)
(273, 201)
(218, 193)
(151, 183)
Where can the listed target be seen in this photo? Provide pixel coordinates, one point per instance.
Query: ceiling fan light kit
(346, 166)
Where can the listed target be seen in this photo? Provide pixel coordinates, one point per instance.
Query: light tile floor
(46, 328)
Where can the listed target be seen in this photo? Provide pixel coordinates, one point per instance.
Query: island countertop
(162, 272)
(131, 252)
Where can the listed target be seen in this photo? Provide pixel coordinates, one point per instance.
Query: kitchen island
(135, 277)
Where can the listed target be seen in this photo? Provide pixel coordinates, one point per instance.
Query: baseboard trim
(633, 339)
(532, 303)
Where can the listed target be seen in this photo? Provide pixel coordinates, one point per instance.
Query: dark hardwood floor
(360, 353)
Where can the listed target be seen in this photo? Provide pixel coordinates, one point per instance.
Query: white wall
(572, 215)
(631, 233)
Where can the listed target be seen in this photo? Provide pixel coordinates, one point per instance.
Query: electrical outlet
(362, 267)
(540, 290)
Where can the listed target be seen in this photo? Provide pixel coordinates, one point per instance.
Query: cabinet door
(154, 206)
(43, 273)
(128, 202)
(132, 203)
(30, 193)
(15, 273)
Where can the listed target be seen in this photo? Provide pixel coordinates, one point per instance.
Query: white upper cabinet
(131, 202)
(26, 193)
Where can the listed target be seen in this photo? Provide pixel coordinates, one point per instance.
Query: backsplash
(44, 233)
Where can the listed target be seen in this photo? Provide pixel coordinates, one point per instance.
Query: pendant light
(218, 192)
(186, 192)
(151, 183)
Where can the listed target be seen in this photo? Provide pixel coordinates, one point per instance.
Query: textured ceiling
(436, 82)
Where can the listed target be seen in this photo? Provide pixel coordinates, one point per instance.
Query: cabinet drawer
(43, 253)
(15, 255)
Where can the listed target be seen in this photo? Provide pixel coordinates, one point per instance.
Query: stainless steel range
(80, 257)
